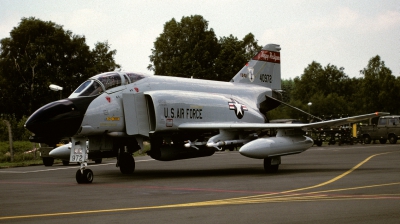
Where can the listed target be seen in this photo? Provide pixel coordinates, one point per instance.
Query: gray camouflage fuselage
(175, 101)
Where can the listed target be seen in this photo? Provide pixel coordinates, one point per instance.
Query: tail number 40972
(266, 78)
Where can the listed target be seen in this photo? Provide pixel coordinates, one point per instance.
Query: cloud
(8, 22)
(84, 21)
(87, 18)
(133, 48)
(356, 21)
(387, 20)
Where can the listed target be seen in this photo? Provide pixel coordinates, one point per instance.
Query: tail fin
(263, 69)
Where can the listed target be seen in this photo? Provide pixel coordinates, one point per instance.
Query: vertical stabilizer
(263, 69)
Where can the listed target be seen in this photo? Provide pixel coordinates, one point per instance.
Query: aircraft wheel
(126, 163)
(48, 161)
(65, 162)
(367, 139)
(87, 176)
(392, 139)
(78, 177)
(98, 161)
(270, 168)
(84, 178)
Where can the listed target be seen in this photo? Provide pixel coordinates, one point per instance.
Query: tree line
(334, 94)
(39, 53)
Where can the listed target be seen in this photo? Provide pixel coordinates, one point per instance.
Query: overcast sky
(343, 33)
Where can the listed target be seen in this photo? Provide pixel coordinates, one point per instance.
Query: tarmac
(329, 184)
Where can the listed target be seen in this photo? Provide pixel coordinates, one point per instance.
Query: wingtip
(381, 113)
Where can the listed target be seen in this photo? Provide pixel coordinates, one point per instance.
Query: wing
(251, 126)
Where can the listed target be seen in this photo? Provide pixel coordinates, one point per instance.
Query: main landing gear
(126, 163)
(271, 164)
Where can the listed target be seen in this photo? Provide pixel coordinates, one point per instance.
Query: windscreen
(93, 89)
(83, 86)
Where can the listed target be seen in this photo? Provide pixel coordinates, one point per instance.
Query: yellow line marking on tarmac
(338, 177)
(318, 185)
(263, 198)
(354, 188)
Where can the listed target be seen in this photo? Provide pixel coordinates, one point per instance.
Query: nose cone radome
(57, 119)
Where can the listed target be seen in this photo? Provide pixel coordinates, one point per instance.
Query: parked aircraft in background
(182, 118)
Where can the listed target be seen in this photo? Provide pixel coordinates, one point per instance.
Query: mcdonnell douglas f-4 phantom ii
(181, 117)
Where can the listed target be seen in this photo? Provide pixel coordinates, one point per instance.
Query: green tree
(323, 80)
(184, 49)
(284, 112)
(250, 45)
(17, 126)
(287, 88)
(328, 88)
(102, 58)
(39, 53)
(189, 48)
(379, 88)
(233, 56)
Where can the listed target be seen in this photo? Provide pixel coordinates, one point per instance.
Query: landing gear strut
(79, 153)
(271, 164)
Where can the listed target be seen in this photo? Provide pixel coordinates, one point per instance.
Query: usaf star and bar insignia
(238, 108)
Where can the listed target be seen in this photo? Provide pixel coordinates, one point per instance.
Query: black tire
(98, 161)
(270, 168)
(126, 163)
(84, 178)
(65, 162)
(367, 139)
(318, 143)
(87, 176)
(48, 161)
(383, 140)
(392, 139)
(78, 177)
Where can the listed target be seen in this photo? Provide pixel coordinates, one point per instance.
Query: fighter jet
(182, 118)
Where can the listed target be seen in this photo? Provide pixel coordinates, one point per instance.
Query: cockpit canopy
(105, 81)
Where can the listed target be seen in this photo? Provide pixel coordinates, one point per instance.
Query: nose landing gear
(84, 176)
(79, 153)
